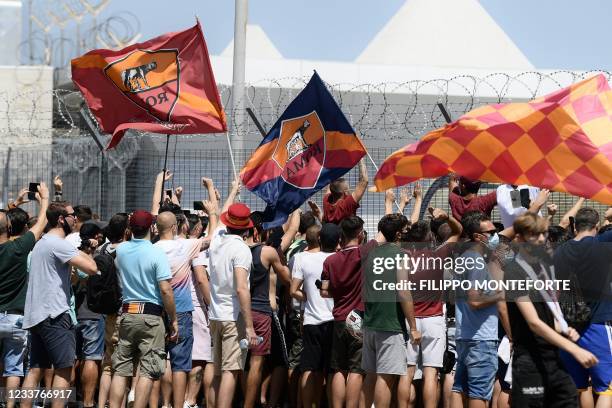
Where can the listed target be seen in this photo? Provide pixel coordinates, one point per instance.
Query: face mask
(493, 241)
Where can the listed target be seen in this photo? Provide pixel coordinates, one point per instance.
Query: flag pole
(161, 198)
(231, 153)
(261, 129)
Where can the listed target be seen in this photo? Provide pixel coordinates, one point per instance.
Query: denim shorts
(90, 339)
(13, 343)
(53, 343)
(476, 368)
(180, 352)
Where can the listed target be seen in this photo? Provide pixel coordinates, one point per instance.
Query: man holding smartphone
(13, 288)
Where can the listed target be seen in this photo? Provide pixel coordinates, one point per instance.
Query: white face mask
(493, 241)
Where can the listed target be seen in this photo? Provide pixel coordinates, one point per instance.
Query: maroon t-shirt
(460, 205)
(340, 209)
(344, 272)
(428, 303)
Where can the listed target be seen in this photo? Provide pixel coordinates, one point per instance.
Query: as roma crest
(300, 150)
(150, 79)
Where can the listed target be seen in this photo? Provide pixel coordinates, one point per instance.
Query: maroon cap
(141, 219)
(237, 216)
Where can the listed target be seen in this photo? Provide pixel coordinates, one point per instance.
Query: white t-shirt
(226, 253)
(74, 238)
(506, 211)
(202, 260)
(308, 267)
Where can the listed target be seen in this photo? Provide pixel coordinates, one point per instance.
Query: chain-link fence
(109, 185)
(385, 115)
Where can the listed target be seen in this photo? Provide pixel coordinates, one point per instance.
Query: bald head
(3, 224)
(165, 222)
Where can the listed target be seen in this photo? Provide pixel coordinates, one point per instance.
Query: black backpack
(103, 290)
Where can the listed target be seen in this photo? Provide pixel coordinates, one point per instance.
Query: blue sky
(565, 34)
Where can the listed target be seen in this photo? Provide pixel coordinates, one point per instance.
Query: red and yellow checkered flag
(562, 141)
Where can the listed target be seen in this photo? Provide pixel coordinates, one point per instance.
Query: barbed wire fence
(47, 135)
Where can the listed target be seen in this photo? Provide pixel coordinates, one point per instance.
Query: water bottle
(244, 343)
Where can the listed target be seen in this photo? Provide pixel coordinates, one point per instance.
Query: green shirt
(383, 312)
(14, 272)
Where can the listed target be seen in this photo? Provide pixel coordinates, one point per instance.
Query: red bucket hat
(237, 217)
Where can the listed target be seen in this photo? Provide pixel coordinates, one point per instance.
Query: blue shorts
(53, 343)
(597, 338)
(13, 343)
(476, 368)
(180, 352)
(90, 339)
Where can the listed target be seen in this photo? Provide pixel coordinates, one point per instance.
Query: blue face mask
(493, 241)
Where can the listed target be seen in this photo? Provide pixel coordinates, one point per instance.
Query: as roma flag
(164, 85)
(309, 146)
(561, 141)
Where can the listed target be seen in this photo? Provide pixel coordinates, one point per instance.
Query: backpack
(103, 290)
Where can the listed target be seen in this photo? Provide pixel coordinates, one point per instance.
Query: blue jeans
(476, 368)
(13, 343)
(180, 352)
(90, 339)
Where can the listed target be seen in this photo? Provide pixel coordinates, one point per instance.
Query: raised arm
(404, 199)
(212, 210)
(231, 197)
(362, 184)
(41, 222)
(452, 182)
(316, 211)
(293, 225)
(157, 190)
(565, 221)
(540, 200)
(389, 199)
(176, 197)
(417, 193)
(58, 185)
(455, 226)
(210, 188)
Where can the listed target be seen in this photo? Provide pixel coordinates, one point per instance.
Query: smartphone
(198, 206)
(525, 200)
(515, 198)
(32, 190)
(169, 193)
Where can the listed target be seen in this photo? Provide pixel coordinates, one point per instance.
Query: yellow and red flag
(164, 85)
(562, 141)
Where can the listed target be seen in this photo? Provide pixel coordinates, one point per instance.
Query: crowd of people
(183, 308)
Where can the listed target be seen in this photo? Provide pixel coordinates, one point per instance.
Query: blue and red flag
(309, 146)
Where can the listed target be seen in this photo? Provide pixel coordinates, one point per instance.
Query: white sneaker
(130, 399)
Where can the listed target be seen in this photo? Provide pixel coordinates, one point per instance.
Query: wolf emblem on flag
(300, 150)
(150, 79)
(309, 146)
(163, 85)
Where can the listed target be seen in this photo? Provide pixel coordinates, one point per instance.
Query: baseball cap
(141, 219)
